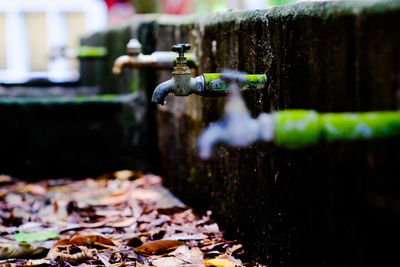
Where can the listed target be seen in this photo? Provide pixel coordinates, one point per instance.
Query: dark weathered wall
(328, 205)
(332, 204)
(70, 136)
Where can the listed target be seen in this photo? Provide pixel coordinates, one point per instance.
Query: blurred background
(39, 38)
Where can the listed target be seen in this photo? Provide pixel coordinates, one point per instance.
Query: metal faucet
(135, 58)
(292, 128)
(181, 84)
(208, 84)
(237, 128)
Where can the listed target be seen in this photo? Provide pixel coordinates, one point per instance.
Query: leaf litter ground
(123, 218)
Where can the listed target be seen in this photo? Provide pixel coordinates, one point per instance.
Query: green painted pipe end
(296, 128)
(251, 82)
(367, 125)
(91, 52)
(299, 128)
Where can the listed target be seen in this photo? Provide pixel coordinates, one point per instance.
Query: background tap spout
(120, 63)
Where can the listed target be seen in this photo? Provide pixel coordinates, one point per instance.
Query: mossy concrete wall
(79, 136)
(327, 205)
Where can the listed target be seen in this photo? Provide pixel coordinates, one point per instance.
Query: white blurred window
(31, 31)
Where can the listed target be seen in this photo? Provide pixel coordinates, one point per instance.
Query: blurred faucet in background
(135, 59)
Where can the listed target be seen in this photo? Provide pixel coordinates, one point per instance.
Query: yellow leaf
(38, 262)
(220, 263)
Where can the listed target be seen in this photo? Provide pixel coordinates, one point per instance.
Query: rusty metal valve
(181, 63)
(181, 49)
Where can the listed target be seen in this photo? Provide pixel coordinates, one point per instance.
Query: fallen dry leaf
(183, 236)
(38, 262)
(229, 258)
(72, 253)
(136, 211)
(230, 251)
(91, 241)
(114, 199)
(21, 251)
(167, 262)
(34, 189)
(158, 247)
(145, 195)
(122, 175)
(12, 220)
(220, 263)
(125, 222)
(5, 179)
(172, 210)
(192, 256)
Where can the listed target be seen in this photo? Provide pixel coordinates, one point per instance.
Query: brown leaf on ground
(64, 247)
(22, 250)
(34, 189)
(125, 222)
(158, 247)
(72, 253)
(11, 220)
(129, 220)
(91, 241)
(234, 248)
(172, 210)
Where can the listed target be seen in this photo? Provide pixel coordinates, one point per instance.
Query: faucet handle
(181, 49)
(134, 47)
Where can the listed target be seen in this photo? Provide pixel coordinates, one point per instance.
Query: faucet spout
(120, 63)
(180, 85)
(162, 90)
(237, 128)
(214, 134)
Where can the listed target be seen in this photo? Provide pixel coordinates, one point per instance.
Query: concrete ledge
(72, 136)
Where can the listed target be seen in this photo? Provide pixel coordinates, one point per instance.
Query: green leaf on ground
(23, 237)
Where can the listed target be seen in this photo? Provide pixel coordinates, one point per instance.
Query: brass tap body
(181, 73)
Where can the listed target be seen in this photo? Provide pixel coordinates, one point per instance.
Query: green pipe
(91, 52)
(214, 85)
(208, 84)
(298, 128)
